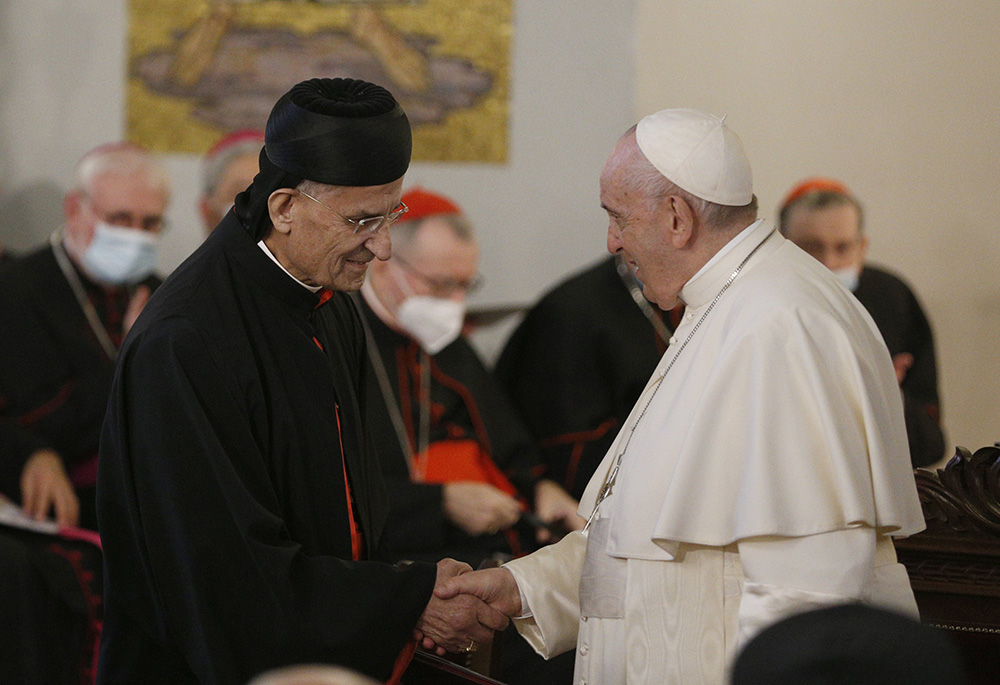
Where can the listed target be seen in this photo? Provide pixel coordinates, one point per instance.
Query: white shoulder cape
(782, 416)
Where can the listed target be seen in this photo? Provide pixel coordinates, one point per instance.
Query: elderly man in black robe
(66, 307)
(238, 501)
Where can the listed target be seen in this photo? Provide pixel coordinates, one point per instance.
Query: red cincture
(356, 541)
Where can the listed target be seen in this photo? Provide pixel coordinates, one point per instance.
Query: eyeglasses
(123, 218)
(443, 287)
(369, 224)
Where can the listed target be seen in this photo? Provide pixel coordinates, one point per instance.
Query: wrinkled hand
(480, 508)
(553, 504)
(494, 586)
(901, 363)
(45, 485)
(452, 623)
(135, 306)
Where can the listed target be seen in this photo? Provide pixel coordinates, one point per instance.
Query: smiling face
(317, 245)
(641, 226)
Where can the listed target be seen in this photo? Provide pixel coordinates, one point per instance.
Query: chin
(347, 283)
(664, 303)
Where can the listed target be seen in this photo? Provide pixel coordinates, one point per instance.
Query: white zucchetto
(698, 153)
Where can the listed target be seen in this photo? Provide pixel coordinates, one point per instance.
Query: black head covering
(337, 131)
(849, 645)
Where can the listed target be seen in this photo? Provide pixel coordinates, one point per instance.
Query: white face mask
(120, 256)
(848, 277)
(434, 322)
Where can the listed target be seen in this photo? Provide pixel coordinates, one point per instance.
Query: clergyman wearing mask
(463, 475)
(67, 307)
(824, 218)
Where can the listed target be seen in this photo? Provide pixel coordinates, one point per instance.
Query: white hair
(121, 159)
(639, 174)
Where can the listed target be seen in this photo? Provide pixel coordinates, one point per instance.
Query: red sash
(452, 461)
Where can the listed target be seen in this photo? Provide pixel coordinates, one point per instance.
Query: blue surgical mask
(120, 256)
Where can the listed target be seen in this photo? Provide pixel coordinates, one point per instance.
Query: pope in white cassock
(764, 468)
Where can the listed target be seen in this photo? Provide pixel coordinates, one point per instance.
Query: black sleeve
(507, 438)
(191, 525)
(920, 391)
(923, 431)
(551, 372)
(417, 519)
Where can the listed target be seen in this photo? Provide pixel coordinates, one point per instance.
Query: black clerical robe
(575, 367)
(230, 444)
(905, 328)
(55, 377)
(466, 405)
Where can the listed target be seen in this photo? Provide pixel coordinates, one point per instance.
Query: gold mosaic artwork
(199, 69)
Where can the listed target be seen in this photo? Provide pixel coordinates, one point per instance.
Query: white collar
(310, 288)
(705, 284)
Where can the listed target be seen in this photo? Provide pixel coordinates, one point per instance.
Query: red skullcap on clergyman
(423, 203)
(243, 135)
(812, 185)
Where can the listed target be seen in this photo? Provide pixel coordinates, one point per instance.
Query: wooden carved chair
(954, 565)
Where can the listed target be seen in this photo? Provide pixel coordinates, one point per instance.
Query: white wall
(62, 89)
(897, 98)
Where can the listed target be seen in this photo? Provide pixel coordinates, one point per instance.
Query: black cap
(336, 131)
(849, 644)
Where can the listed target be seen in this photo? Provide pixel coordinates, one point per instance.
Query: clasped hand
(467, 606)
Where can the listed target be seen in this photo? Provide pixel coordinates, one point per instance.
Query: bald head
(312, 674)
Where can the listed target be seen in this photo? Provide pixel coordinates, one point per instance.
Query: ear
(207, 214)
(864, 247)
(681, 222)
(279, 207)
(72, 205)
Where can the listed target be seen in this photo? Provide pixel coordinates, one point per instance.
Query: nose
(380, 244)
(829, 258)
(614, 239)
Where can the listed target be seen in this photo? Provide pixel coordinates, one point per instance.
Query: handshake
(466, 607)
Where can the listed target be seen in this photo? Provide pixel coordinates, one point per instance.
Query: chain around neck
(612, 476)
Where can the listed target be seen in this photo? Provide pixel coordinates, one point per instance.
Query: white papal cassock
(765, 478)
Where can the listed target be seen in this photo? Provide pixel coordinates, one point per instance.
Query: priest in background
(460, 467)
(226, 171)
(823, 217)
(66, 308)
(240, 505)
(576, 364)
(463, 476)
(764, 467)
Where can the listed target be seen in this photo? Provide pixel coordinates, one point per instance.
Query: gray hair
(640, 175)
(215, 165)
(120, 159)
(404, 233)
(819, 199)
